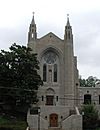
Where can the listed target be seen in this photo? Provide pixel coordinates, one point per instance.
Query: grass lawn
(10, 123)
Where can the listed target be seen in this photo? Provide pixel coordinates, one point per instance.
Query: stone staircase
(54, 128)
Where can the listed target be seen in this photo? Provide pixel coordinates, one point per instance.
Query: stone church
(58, 97)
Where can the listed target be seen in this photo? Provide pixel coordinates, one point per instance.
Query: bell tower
(68, 64)
(32, 34)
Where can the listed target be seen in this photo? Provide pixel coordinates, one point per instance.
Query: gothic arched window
(50, 63)
(44, 72)
(50, 57)
(55, 72)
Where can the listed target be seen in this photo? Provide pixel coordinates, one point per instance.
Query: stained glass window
(50, 57)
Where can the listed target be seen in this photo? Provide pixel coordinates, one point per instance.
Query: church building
(58, 104)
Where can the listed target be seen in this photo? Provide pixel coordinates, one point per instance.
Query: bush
(90, 117)
(12, 124)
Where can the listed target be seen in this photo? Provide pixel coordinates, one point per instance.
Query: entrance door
(53, 120)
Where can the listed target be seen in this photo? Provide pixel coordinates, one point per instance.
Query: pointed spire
(33, 21)
(68, 23)
(32, 35)
(68, 30)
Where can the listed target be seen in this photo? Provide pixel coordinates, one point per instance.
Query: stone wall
(73, 122)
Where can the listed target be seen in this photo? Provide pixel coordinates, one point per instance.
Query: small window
(49, 100)
(69, 34)
(76, 84)
(55, 72)
(45, 117)
(99, 99)
(87, 91)
(44, 72)
(57, 98)
(32, 35)
(42, 98)
(61, 117)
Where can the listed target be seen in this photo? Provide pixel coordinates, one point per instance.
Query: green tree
(89, 82)
(82, 82)
(19, 78)
(90, 117)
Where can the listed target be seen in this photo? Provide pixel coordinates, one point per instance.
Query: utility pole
(38, 118)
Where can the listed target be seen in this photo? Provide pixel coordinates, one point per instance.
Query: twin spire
(68, 31)
(32, 35)
(33, 21)
(68, 23)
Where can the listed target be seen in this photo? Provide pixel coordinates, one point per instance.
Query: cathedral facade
(58, 104)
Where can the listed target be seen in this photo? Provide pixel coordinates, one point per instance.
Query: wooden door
(54, 120)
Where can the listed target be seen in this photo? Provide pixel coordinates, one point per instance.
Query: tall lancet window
(55, 72)
(50, 63)
(44, 72)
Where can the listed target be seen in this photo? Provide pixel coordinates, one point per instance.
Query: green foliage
(90, 117)
(89, 82)
(82, 82)
(10, 124)
(19, 79)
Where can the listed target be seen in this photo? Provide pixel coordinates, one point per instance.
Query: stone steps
(54, 128)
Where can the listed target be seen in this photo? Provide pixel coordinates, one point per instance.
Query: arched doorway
(53, 120)
(87, 99)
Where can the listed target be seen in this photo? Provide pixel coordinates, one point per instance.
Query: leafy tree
(19, 78)
(82, 82)
(90, 117)
(89, 82)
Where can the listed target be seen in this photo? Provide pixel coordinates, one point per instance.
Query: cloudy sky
(51, 16)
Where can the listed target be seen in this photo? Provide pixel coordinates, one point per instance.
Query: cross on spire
(67, 15)
(33, 21)
(68, 23)
(33, 13)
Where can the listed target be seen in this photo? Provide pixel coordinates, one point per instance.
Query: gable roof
(51, 35)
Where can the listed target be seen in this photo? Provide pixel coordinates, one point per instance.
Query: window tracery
(50, 67)
(50, 57)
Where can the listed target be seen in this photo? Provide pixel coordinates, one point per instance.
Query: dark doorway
(54, 120)
(87, 99)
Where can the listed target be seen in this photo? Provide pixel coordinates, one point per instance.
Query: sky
(51, 16)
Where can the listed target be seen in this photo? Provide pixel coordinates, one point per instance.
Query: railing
(72, 112)
(77, 111)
